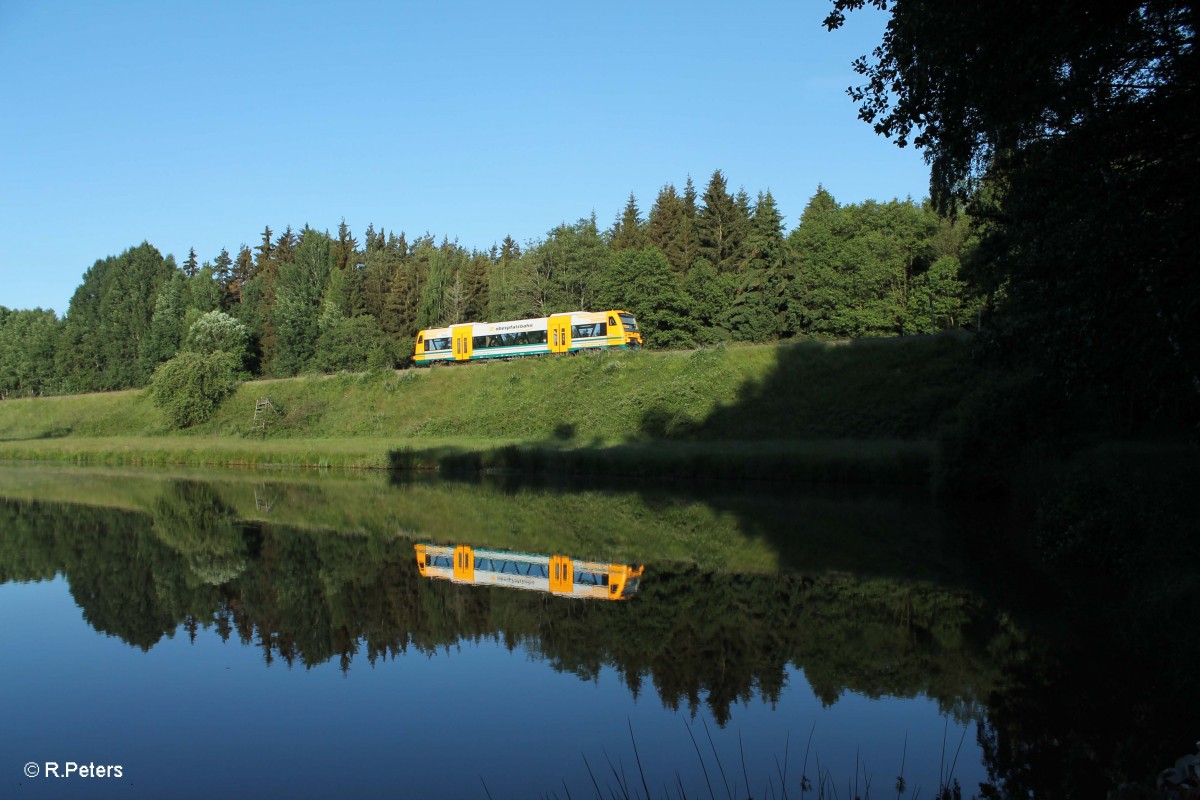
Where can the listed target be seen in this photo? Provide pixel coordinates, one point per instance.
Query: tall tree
(222, 269)
(28, 340)
(243, 270)
(191, 266)
(433, 309)
(672, 229)
(345, 249)
(628, 232)
(167, 325)
(476, 287)
(759, 309)
(296, 311)
(108, 319)
(265, 249)
(643, 282)
(285, 246)
(507, 279)
(1069, 132)
(720, 225)
(565, 269)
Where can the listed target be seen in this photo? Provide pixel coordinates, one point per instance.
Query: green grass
(817, 411)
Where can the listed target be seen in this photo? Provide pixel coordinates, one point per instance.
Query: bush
(217, 332)
(191, 386)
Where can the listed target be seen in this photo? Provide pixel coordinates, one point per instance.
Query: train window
(612, 321)
(630, 323)
(589, 329)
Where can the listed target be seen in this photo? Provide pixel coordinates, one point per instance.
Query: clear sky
(197, 124)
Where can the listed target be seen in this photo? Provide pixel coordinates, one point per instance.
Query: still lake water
(269, 634)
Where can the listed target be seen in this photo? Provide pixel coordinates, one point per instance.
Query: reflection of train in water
(560, 575)
(558, 333)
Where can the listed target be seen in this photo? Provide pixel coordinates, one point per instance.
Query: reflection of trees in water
(191, 519)
(1067, 714)
(697, 636)
(127, 583)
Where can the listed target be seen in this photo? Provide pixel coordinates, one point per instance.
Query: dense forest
(696, 269)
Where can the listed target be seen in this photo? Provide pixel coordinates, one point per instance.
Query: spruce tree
(629, 231)
(719, 226)
(765, 245)
(668, 228)
(345, 249)
(264, 251)
(222, 271)
(285, 246)
(191, 266)
(243, 270)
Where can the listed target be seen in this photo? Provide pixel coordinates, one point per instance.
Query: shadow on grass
(53, 433)
(864, 412)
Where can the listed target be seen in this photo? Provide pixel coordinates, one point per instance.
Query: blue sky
(197, 124)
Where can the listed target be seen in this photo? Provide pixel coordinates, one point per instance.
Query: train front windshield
(629, 322)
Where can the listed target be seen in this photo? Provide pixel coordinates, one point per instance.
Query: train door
(559, 334)
(562, 575)
(464, 563)
(462, 342)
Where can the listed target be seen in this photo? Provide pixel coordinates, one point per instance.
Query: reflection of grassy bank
(877, 533)
(805, 411)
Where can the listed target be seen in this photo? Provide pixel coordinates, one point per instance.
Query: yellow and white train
(557, 575)
(558, 333)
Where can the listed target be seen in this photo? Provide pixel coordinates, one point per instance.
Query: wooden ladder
(261, 408)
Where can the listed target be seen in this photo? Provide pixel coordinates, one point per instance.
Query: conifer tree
(373, 240)
(285, 246)
(264, 251)
(765, 245)
(222, 272)
(380, 264)
(669, 228)
(345, 249)
(509, 250)
(243, 270)
(720, 226)
(628, 231)
(758, 309)
(404, 295)
(691, 210)
(191, 266)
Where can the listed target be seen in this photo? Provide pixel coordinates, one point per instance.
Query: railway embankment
(865, 410)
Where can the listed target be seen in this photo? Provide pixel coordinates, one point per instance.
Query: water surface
(270, 634)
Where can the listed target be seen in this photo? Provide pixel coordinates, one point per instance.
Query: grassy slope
(742, 400)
